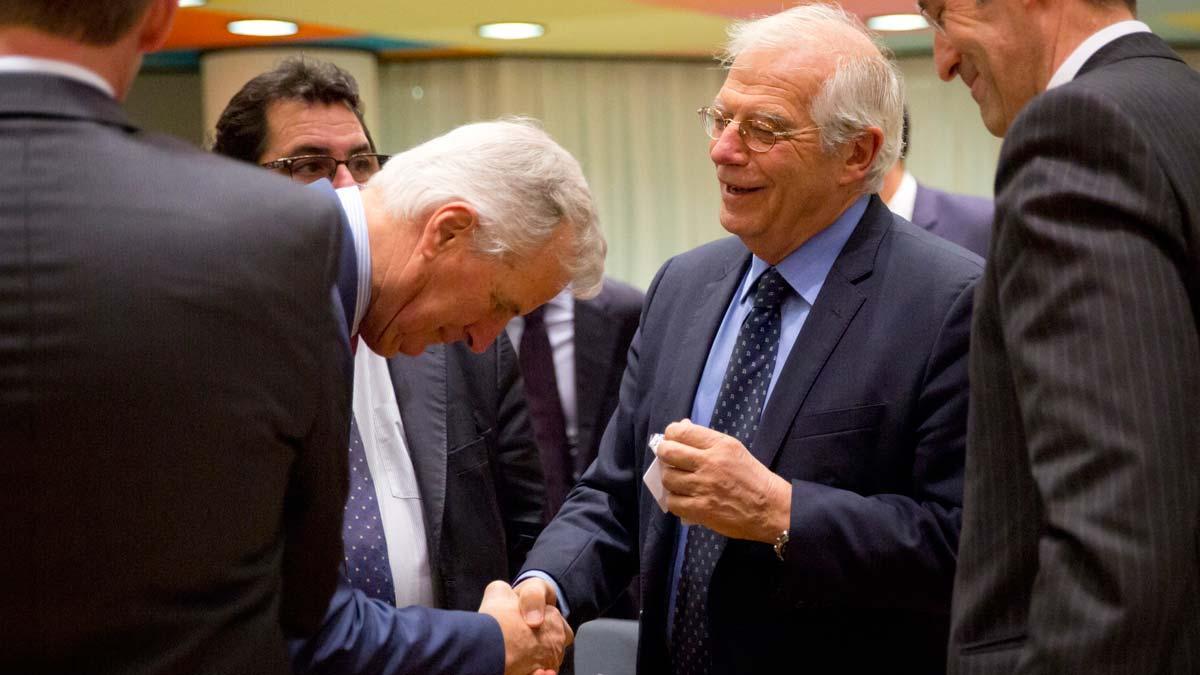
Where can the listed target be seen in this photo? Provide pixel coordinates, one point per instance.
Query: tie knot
(771, 290)
(535, 317)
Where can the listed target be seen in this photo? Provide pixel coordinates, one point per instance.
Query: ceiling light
(513, 30)
(192, 3)
(262, 27)
(894, 23)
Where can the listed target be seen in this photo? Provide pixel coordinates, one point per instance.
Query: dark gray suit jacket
(1079, 549)
(604, 327)
(477, 467)
(173, 397)
(867, 421)
(965, 220)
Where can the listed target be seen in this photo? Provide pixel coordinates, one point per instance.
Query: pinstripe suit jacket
(1079, 544)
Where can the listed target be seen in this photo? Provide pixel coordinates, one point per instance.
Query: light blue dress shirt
(805, 270)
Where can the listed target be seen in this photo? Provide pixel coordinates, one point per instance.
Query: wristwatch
(780, 542)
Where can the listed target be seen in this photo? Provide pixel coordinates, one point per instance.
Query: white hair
(864, 91)
(521, 183)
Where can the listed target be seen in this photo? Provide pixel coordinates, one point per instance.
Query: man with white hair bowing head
(808, 376)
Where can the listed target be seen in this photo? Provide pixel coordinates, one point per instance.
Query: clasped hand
(712, 479)
(535, 636)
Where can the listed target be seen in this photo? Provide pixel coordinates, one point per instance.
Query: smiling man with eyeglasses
(808, 378)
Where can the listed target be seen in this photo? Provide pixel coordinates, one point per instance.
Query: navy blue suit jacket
(363, 636)
(963, 219)
(867, 421)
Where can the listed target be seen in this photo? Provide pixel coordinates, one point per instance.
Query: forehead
(774, 81)
(292, 124)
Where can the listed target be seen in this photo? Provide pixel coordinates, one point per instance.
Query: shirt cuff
(562, 599)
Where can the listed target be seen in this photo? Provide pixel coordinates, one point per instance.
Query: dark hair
(93, 22)
(242, 127)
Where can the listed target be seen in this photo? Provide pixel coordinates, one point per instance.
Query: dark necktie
(736, 412)
(365, 547)
(545, 409)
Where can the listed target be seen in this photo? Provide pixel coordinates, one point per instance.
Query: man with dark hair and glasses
(785, 461)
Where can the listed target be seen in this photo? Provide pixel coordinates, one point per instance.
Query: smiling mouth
(735, 190)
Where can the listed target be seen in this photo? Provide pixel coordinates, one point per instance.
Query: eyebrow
(324, 150)
(762, 116)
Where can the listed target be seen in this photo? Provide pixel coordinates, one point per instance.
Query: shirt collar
(1088, 48)
(351, 198)
(805, 268)
(71, 71)
(904, 199)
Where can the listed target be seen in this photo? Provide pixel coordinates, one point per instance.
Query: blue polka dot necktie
(364, 545)
(736, 412)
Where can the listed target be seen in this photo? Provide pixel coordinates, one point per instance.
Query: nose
(946, 58)
(342, 177)
(729, 148)
(481, 334)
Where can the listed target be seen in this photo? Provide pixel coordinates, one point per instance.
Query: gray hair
(522, 184)
(864, 90)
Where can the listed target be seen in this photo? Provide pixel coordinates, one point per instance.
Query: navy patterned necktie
(364, 546)
(736, 412)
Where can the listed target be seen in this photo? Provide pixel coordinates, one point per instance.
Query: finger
(689, 433)
(680, 456)
(533, 595)
(680, 483)
(497, 592)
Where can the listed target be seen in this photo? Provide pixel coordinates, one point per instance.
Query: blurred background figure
(965, 220)
(174, 397)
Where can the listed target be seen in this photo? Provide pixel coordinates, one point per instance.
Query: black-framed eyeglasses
(756, 134)
(309, 168)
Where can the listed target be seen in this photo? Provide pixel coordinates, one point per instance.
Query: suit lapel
(838, 302)
(591, 366)
(421, 394)
(712, 302)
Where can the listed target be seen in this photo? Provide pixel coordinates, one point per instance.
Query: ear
(450, 227)
(156, 24)
(859, 154)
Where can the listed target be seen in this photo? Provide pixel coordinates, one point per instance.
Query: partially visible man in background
(965, 220)
(445, 433)
(1082, 509)
(173, 374)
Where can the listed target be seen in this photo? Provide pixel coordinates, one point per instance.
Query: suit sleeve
(319, 479)
(519, 481)
(363, 636)
(1105, 361)
(590, 547)
(893, 550)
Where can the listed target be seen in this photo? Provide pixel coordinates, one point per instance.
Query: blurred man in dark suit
(800, 512)
(173, 374)
(1083, 486)
(965, 220)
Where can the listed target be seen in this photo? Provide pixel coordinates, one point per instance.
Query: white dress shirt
(1086, 49)
(559, 318)
(29, 64)
(904, 200)
(384, 442)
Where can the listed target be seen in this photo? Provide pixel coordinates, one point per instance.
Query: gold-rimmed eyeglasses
(310, 168)
(758, 135)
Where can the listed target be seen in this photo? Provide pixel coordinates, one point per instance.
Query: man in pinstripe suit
(1079, 544)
